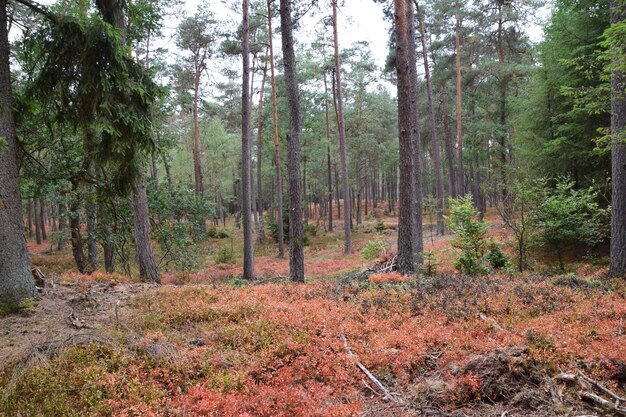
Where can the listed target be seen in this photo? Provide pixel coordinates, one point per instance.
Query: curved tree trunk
(246, 180)
(296, 238)
(16, 281)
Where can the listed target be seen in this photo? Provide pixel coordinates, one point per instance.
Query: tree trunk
(328, 169)
(16, 280)
(406, 229)
(62, 237)
(447, 136)
(92, 244)
(279, 174)
(296, 238)
(347, 233)
(77, 241)
(433, 128)
(197, 166)
(259, 182)
(459, 117)
(37, 224)
(246, 160)
(42, 218)
(147, 266)
(30, 218)
(618, 155)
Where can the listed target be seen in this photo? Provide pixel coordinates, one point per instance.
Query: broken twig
(387, 395)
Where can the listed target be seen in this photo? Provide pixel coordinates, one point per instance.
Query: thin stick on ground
(387, 395)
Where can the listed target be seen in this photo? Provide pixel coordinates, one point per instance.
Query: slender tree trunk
(328, 168)
(30, 218)
(618, 157)
(246, 159)
(197, 166)
(62, 238)
(16, 281)
(459, 116)
(279, 174)
(92, 244)
(259, 182)
(433, 128)
(77, 240)
(296, 238)
(37, 224)
(405, 72)
(42, 218)
(447, 135)
(347, 232)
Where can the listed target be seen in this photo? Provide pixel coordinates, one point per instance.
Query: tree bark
(62, 221)
(433, 128)
(459, 116)
(407, 239)
(279, 173)
(447, 135)
(246, 160)
(148, 270)
(328, 168)
(42, 218)
(347, 210)
(618, 155)
(259, 179)
(30, 217)
(16, 280)
(77, 241)
(296, 238)
(37, 224)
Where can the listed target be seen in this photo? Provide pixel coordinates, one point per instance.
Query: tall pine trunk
(259, 148)
(246, 160)
(296, 238)
(347, 210)
(407, 239)
(279, 173)
(16, 281)
(459, 114)
(433, 128)
(328, 168)
(618, 153)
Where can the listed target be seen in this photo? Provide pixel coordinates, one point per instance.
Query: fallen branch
(603, 403)
(586, 383)
(387, 395)
(602, 388)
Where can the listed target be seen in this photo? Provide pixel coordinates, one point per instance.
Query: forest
(310, 208)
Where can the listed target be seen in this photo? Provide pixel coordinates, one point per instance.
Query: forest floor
(210, 344)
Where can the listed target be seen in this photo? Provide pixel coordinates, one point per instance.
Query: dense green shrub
(567, 216)
(374, 249)
(496, 257)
